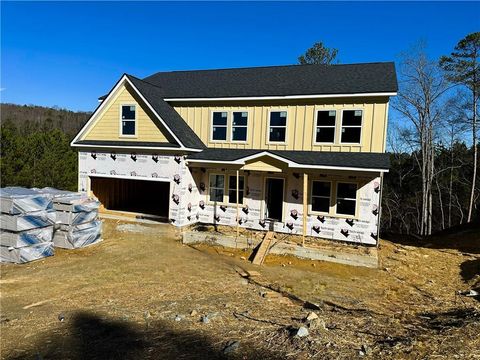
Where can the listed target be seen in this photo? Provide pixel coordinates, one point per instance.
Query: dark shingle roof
(277, 81)
(319, 158)
(172, 119)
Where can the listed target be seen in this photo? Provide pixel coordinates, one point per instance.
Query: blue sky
(69, 53)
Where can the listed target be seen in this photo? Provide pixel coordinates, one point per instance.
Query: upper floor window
(351, 126)
(346, 198)
(325, 129)
(217, 187)
(278, 126)
(321, 196)
(219, 126)
(232, 189)
(239, 126)
(128, 119)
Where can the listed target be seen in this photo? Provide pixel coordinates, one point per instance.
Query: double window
(345, 198)
(351, 127)
(278, 126)
(220, 192)
(220, 126)
(128, 113)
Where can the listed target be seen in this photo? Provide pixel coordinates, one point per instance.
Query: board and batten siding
(107, 125)
(301, 116)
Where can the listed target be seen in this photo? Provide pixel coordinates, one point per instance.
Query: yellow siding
(265, 164)
(301, 116)
(107, 125)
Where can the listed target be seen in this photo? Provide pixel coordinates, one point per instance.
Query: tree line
(433, 182)
(35, 146)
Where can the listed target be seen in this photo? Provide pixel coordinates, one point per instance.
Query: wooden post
(305, 207)
(238, 207)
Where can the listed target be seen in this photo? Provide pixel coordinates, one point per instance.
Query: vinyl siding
(107, 125)
(301, 116)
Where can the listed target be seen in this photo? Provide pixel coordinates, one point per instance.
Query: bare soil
(141, 294)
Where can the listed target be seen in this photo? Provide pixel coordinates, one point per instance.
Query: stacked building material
(26, 225)
(77, 219)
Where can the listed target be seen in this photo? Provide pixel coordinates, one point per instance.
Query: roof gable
(177, 132)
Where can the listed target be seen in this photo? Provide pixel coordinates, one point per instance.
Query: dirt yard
(141, 294)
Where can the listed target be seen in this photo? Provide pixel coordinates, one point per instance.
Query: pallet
(263, 249)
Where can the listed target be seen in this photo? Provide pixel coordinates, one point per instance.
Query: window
(128, 119)
(351, 126)
(232, 189)
(219, 126)
(321, 196)
(325, 132)
(278, 126)
(239, 126)
(346, 198)
(217, 187)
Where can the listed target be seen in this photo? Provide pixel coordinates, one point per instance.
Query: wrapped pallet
(76, 217)
(26, 225)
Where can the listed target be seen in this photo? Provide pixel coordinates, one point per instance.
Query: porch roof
(298, 159)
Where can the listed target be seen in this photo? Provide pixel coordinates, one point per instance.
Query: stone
(243, 281)
(178, 318)
(193, 313)
(243, 258)
(231, 346)
(205, 319)
(302, 331)
(311, 316)
(61, 317)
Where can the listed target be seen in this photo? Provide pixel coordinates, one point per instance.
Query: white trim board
(285, 97)
(136, 147)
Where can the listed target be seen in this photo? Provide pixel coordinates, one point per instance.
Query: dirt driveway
(141, 294)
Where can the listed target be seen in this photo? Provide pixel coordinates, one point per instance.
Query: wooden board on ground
(263, 249)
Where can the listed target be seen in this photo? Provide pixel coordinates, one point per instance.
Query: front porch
(266, 192)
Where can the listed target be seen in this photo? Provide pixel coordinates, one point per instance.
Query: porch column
(305, 207)
(238, 207)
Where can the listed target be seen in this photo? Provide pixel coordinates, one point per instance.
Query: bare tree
(463, 68)
(421, 89)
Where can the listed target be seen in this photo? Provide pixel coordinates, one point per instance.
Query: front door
(274, 199)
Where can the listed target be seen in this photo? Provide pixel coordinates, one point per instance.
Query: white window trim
(352, 126)
(120, 134)
(232, 126)
(269, 127)
(240, 189)
(210, 201)
(315, 127)
(211, 127)
(356, 199)
(310, 205)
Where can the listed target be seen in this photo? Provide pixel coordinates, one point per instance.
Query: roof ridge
(267, 67)
(142, 80)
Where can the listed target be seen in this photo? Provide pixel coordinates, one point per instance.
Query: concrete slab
(281, 248)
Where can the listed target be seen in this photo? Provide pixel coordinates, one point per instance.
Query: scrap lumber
(263, 249)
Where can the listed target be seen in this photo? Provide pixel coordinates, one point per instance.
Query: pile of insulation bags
(34, 221)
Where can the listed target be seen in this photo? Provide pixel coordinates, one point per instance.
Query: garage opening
(139, 196)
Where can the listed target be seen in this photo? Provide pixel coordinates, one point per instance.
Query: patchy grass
(121, 299)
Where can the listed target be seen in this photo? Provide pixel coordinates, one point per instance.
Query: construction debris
(263, 249)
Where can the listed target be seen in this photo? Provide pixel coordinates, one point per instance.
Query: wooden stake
(238, 208)
(305, 207)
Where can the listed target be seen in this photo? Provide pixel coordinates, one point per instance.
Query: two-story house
(295, 149)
